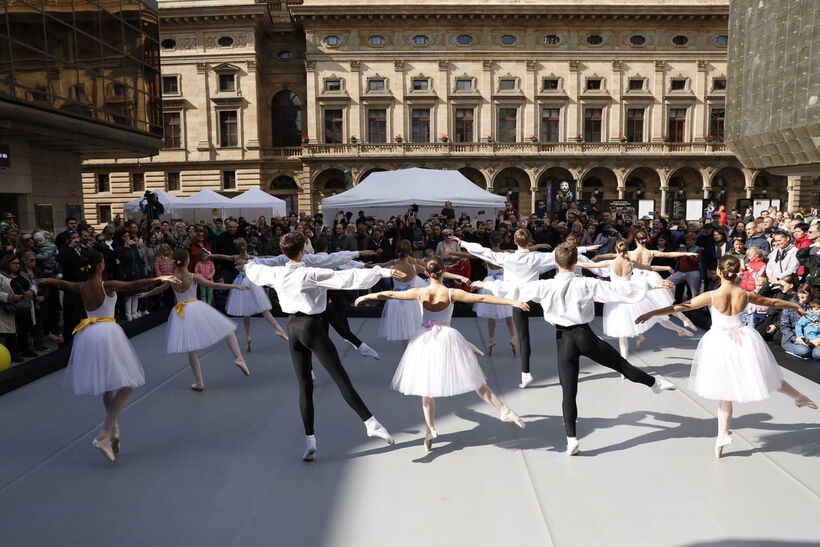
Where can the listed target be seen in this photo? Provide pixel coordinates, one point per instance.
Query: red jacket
(755, 268)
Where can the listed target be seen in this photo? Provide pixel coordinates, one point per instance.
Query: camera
(414, 208)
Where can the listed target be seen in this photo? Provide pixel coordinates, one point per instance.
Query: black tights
(578, 340)
(522, 332)
(336, 317)
(307, 336)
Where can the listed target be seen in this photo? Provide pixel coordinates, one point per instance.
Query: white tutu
(202, 326)
(661, 298)
(438, 363)
(247, 303)
(102, 359)
(492, 311)
(401, 318)
(619, 317)
(733, 363)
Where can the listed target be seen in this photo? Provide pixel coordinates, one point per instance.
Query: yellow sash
(90, 321)
(180, 305)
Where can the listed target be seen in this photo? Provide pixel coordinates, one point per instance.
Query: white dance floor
(223, 467)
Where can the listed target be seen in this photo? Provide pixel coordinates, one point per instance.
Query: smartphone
(480, 212)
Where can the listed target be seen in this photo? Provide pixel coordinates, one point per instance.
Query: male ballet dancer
(334, 315)
(520, 267)
(302, 292)
(568, 302)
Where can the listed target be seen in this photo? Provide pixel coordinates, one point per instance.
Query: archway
(475, 176)
(772, 187)
(285, 188)
(328, 183)
(600, 183)
(684, 183)
(286, 119)
(369, 171)
(728, 186)
(514, 184)
(643, 183)
(553, 174)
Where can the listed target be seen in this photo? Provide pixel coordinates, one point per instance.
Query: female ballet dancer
(732, 362)
(660, 298)
(619, 317)
(194, 325)
(245, 303)
(438, 361)
(103, 361)
(401, 318)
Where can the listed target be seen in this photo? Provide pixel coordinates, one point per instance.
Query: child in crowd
(205, 268)
(807, 331)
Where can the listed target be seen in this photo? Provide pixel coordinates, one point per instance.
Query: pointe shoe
(662, 385)
(104, 446)
(688, 324)
(248, 345)
(367, 351)
(197, 387)
(514, 345)
(573, 446)
(683, 333)
(428, 439)
(508, 415)
(242, 366)
(310, 449)
(640, 340)
(115, 439)
(375, 429)
(490, 346)
(805, 401)
(475, 349)
(720, 444)
(526, 379)
(280, 332)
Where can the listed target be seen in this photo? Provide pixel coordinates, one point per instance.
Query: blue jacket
(788, 319)
(760, 241)
(808, 326)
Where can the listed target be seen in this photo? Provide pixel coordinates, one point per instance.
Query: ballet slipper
(508, 415)
(805, 401)
(104, 446)
(720, 444)
(428, 439)
(248, 345)
(688, 323)
(280, 332)
(197, 387)
(475, 349)
(115, 439)
(640, 340)
(683, 333)
(490, 346)
(242, 366)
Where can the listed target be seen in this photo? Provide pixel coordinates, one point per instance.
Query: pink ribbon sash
(433, 328)
(733, 331)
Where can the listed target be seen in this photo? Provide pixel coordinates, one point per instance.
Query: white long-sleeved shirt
(522, 266)
(304, 289)
(569, 299)
(313, 260)
(788, 263)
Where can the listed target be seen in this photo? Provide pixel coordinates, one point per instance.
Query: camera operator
(151, 207)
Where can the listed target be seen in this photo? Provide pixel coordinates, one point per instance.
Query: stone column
(313, 115)
(442, 111)
(397, 87)
(699, 110)
(615, 117)
(749, 176)
(573, 108)
(529, 114)
(658, 103)
(485, 108)
(354, 116)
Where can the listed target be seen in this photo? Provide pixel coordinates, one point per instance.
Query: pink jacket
(162, 267)
(205, 269)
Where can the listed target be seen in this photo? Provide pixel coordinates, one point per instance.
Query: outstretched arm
(61, 283)
(229, 258)
(156, 290)
(456, 277)
(696, 303)
(198, 279)
(758, 300)
(483, 253)
(410, 294)
(470, 298)
(605, 256)
(125, 286)
(676, 254)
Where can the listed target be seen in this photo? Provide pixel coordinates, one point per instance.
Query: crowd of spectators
(780, 252)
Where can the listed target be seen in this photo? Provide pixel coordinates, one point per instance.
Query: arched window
(286, 111)
(285, 188)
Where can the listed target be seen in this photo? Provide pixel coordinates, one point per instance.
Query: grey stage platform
(223, 467)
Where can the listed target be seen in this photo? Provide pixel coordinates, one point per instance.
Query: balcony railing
(311, 151)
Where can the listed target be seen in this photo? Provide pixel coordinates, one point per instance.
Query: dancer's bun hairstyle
(404, 248)
(180, 257)
(621, 246)
(91, 259)
(435, 268)
(640, 236)
(729, 267)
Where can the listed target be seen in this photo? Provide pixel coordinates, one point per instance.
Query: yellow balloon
(5, 358)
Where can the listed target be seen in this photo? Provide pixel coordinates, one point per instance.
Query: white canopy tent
(254, 203)
(204, 205)
(131, 209)
(387, 193)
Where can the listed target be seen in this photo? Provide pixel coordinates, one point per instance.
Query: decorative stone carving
(210, 41)
(531, 64)
(617, 65)
(398, 65)
(201, 68)
(354, 65)
(241, 40)
(574, 65)
(186, 42)
(251, 66)
(487, 64)
(443, 64)
(310, 66)
(659, 64)
(702, 65)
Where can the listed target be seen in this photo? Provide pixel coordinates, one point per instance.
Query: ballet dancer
(520, 267)
(401, 318)
(438, 361)
(661, 299)
(733, 364)
(568, 302)
(335, 311)
(246, 303)
(194, 325)
(302, 294)
(619, 317)
(103, 361)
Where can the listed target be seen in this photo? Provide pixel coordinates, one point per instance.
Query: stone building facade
(626, 98)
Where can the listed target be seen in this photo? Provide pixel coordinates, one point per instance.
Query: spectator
(205, 268)
(755, 238)
(71, 256)
(738, 249)
(783, 260)
(70, 225)
(381, 245)
(789, 320)
(807, 331)
(447, 211)
(689, 268)
(224, 244)
(9, 299)
(809, 258)
(24, 314)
